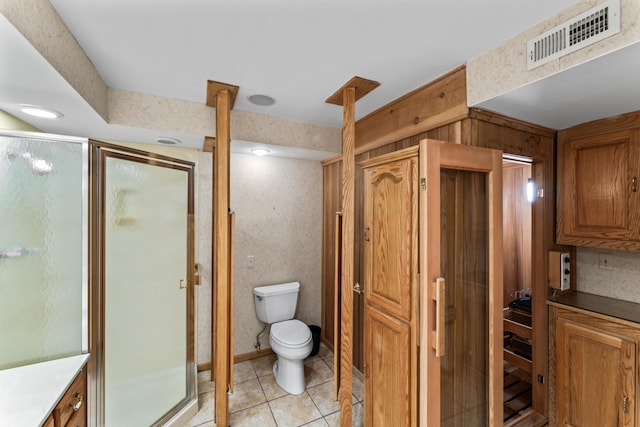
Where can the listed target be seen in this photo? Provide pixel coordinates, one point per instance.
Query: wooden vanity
(50, 394)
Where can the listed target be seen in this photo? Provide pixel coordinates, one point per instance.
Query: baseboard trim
(239, 358)
(252, 355)
(204, 366)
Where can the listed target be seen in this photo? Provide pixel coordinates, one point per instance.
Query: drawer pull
(77, 404)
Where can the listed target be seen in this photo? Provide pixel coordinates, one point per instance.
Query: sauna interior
(518, 197)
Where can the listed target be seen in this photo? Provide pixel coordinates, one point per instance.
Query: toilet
(290, 339)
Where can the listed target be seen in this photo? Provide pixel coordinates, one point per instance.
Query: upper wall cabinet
(598, 187)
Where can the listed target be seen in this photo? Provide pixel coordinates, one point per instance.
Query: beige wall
(7, 121)
(504, 68)
(278, 206)
(623, 282)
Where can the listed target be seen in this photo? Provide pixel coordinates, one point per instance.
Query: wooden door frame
(435, 155)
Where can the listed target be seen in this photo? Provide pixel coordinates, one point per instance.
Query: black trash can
(315, 335)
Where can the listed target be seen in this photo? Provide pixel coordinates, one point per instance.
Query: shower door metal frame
(99, 151)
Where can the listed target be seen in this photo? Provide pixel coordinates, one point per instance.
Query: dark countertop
(619, 309)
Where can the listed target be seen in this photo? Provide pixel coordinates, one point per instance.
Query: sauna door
(460, 285)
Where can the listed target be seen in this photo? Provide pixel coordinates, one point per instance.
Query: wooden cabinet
(71, 411)
(391, 263)
(598, 187)
(595, 361)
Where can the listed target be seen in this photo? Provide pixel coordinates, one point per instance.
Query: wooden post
(221, 96)
(347, 96)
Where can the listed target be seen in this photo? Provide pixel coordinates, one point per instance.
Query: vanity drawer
(72, 407)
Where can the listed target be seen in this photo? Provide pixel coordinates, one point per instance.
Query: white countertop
(29, 393)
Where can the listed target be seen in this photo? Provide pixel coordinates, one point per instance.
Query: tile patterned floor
(259, 401)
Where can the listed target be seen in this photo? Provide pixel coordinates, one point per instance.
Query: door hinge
(423, 183)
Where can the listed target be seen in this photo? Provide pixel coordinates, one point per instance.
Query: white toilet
(290, 339)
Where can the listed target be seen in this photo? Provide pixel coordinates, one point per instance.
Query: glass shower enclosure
(97, 256)
(43, 247)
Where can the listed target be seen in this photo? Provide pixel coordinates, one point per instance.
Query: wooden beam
(214, 88)
(348, 234)
(353, 90)
(361, 86)
(221, 351)
(209, 144)
(435, 104)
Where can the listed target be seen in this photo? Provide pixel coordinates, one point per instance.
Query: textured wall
(278, 206)
(204, 203)
(504, 68)
(623, 282)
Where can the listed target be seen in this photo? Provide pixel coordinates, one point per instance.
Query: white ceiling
(297, 51)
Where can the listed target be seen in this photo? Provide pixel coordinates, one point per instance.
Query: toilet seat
(291, 334)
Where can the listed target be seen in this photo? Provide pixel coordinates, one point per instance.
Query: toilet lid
(291, 333)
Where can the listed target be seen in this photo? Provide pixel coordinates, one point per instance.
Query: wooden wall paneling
(439, 102)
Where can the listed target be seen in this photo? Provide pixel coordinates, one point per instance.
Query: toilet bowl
(289, 338)
(291, 341)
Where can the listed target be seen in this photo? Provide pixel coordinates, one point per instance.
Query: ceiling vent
(583, 30)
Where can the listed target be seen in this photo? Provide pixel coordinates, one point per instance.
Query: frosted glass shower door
(148, 337)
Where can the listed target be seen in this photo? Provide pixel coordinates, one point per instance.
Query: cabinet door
(388, 376)
(599, 191)
(391, 262)
(595, 377)
(391, 238)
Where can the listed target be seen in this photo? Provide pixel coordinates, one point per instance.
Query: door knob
(357, 289)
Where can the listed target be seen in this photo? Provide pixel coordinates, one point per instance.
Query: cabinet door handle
(625, 406)
(77, 404)
(634, 184)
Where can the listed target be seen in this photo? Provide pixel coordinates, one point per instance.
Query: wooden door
(460, 285)
(600, 187)
(391, 260)
(596, 374)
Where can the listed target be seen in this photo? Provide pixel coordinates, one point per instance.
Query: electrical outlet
(605, 261)
(251, 261)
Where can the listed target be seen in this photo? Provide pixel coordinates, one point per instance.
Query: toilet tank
(276, 303)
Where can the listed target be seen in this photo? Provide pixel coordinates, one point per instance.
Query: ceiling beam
(362, 87)
(213, 88)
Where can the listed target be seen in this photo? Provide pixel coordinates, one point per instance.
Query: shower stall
(97, 256)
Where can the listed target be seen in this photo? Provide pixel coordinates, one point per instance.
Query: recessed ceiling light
(260, 151)
(42, 112)
(167, 141)
(261, 100)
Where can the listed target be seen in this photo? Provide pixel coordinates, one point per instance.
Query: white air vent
(583, 30)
